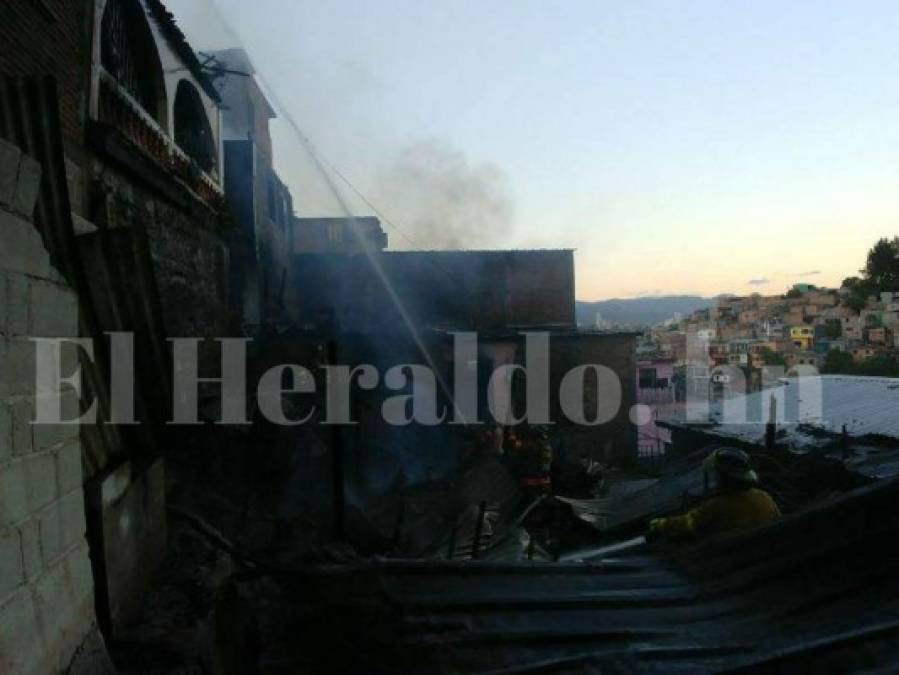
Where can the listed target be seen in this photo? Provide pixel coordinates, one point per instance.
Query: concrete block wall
(46, 586)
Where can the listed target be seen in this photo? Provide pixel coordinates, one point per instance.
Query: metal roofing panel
(868, 406)
(815, 592)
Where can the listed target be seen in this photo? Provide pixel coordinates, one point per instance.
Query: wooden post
(771, 426)
(478, 527)
(338, 496)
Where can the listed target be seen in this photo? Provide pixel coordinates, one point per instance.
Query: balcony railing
(121, 111)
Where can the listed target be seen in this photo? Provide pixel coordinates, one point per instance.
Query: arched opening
(192, 131)
(128, 53)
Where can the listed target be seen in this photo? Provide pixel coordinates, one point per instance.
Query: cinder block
(80, 570)
(27, 187)
(11, 573)
(17, 295)
(21, 412)
(30, 535)
(23, 249)
(16, 366)
(53, 311)
(13, 493)
(61, 524)
(52, 436)
(9, 171)
(21, 644)
(64, 605)
(68, 467)
(4, 305)
(39, 473)
(5, 433)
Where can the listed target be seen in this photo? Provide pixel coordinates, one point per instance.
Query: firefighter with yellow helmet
(737, 503)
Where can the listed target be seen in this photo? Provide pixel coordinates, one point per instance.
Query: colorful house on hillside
(802, 337)
(880, 336)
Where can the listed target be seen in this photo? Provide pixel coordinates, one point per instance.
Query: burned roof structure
(461, 290)
(816, 592)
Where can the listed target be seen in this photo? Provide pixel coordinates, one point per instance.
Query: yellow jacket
(722, 513)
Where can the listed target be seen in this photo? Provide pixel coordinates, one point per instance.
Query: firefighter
(530, 458)
(736, 504)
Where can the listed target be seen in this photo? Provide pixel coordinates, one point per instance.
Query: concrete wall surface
(46, 587)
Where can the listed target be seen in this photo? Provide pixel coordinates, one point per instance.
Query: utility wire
(323, 167)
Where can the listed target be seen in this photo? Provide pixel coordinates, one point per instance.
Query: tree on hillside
(838, 362)
(881, 366)
(772, 358)
(859, 290)
(882, 267)
(833, 329)
(881, 273)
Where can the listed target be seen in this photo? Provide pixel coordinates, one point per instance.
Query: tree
(833, 329)
(838, 362)
(772, 358)
(841, 363)
(882, 267)
(881, 366)
(859, 290)
(793, 293)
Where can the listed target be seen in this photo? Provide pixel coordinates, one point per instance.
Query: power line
(322, 163)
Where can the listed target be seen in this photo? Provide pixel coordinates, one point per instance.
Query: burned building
(260, 202)
(138, 202)
(409, 304)
(449, 290)
(338, 235)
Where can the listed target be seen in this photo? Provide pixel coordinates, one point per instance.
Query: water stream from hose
(325, 169)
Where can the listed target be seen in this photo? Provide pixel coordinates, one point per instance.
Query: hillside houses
(800, 328)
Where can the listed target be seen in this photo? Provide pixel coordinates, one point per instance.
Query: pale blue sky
(678, 146)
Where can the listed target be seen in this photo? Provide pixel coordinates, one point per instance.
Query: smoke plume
(442, 201)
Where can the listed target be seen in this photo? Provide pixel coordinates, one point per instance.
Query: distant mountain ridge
(639, 312)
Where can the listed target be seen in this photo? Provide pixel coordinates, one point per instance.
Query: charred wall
(464, 290)
(261, 203)
(614, 440)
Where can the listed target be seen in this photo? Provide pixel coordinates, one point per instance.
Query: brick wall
(42, 37)
(483, 290)
(188, 257)
(46, 587)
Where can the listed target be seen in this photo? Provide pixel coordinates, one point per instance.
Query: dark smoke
(441, 201)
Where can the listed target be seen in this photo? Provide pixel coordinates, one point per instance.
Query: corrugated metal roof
(815, 592)
(868, 406)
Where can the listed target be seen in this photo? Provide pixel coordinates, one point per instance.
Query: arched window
(128, 53)
(192, 131)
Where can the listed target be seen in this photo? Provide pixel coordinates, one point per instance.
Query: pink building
(655, 381)
(655, 389)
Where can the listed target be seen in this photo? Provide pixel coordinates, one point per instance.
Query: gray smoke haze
(437, 197)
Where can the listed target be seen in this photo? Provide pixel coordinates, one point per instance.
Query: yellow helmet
(732, 464)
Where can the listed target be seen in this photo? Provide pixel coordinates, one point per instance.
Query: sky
(679, 147)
